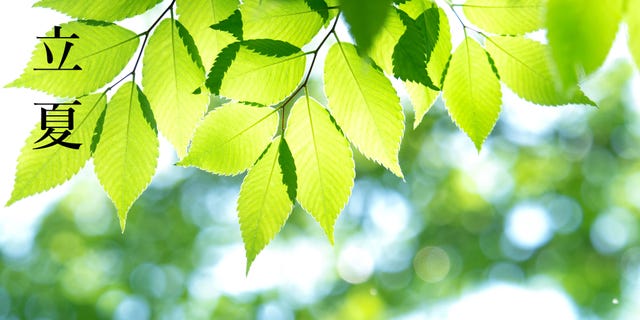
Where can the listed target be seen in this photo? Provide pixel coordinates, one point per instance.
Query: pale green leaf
(42, 169)
(112, 10)
(633, 23)
(382, 47)
(98, 42)
(523, 65)
(422, 98)
(169, 77)
(324, 162)
(285, 20)
(257, 71)
(231, 138)
(263, 203)
(365, 105)
(505, 16)
(471, 91)
(415, 8)
(126, 156)
(198, 16)
(580, 35)
(365, 19)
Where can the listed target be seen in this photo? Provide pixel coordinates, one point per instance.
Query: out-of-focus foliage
(400, 247)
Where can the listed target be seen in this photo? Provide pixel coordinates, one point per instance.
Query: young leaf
(365, 19)
(288, 166)
(263, 204)
(365, 105)
(422, 98)
(112, 10)
(98, 42)
(291, 21)
(263, 71)
(232, 25)
(169, 75)
(580, 35)
(231, 138)
(126, 156)
(505, 16)
(414, 8)
(524, 66)
(324, 162)
(633, 23)
(42, 169)
(413, 51)
(320, 7)
(387, 38)
(198, 16)
(471, 91)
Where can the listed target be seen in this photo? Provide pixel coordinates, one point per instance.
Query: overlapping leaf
(285, 20)
(471, 91)
(365, 19)
(98, 42)
(415, 8)
(391, 31)
(365, 105)
(524, 66)
(42, 169)
(264, 204)
(112, 10)
(171, 72)
(324, 162)
(263, 71)
(197, 16)
(505, 16)
(633, 23)
(126, 156)
(231, 138)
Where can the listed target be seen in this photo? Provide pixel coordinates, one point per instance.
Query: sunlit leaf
(126, 156)
(365, 105)
(39, 170)
(381, 50)
(365, 19)
(264, 204)
(98, 42)
(471, 91)
(324, 162)
(112, 10)
(633, 23)
(505, 16)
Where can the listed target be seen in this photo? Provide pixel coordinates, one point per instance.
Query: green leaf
(169, 75)
(505, 16)
(42, 169)
(580, 34)
(291, 21)
(387, 38)
(198, 16)
(414, 8)
(524, 66)
(471, 91)
(633, 23)
(319, 6)
(126, 156)
(365, 105)
(365, 19)
(422, 98)
(232, 25)
(413, 50)
(264, 204)
(98, 42)
(324, 162)
(288, 166)
(243, 73)
(231, 138)
(112, 10)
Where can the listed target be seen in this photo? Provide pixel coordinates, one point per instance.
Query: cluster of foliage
(294, 148)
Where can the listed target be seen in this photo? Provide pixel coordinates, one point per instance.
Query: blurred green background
(543, 223)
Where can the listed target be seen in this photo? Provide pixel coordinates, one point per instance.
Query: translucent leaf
(198, 16)
(365, 105)
(263, 203)
(264, 71)
(365, 19)
(232, 25)
(422, 98)
(633, 23)
(42, 169)
(505, 16)
(382, 47)
(415, 8)
(291, 21)
(319, 6)
(112, 10)
(580, 35)
(231, 138)
(471, 91)
(126, 156)
(169, 76)
(98, 42)
(324, 162)
(524, 66)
